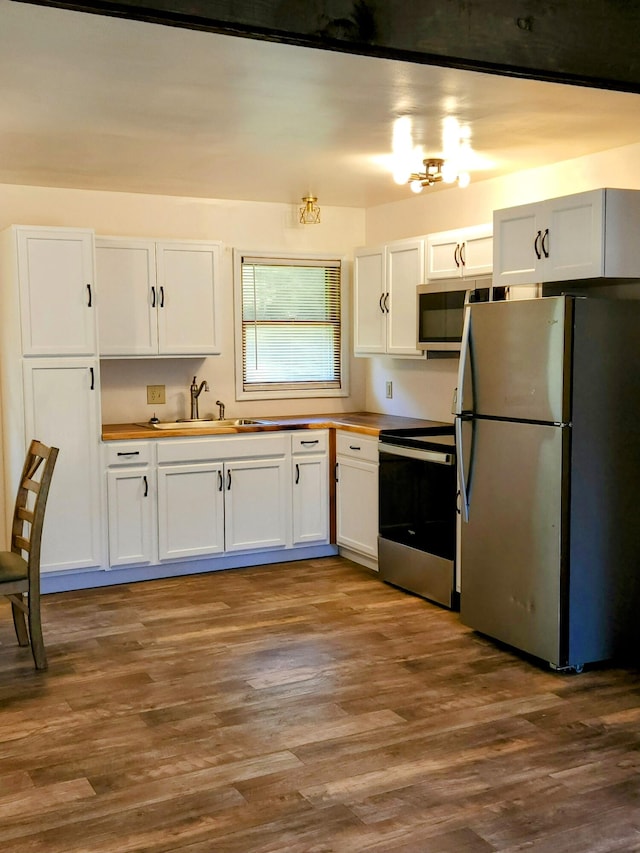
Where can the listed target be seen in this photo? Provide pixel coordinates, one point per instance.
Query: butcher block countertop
(367, 423)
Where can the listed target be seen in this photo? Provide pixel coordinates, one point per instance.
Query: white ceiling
(104, 103)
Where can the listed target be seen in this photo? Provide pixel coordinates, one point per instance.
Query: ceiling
(93, 102)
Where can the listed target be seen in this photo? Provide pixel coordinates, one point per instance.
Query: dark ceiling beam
(589, 43)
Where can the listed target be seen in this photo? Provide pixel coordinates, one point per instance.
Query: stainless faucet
(195, 393)
(220, 406)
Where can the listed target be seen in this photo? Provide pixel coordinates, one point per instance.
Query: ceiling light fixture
(437, 170)
(310, 212)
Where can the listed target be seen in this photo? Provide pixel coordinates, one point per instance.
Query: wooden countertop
(368, 423)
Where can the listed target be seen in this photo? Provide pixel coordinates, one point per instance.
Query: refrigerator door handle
(464, 355)
(462, 477)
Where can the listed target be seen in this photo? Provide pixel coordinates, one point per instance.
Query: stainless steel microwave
(441, 312)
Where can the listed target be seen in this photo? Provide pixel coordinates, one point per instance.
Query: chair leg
(35, 633)
(20, 624)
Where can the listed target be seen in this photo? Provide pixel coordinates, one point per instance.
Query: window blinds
(291, 324)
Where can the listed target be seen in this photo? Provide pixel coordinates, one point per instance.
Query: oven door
(417, 527)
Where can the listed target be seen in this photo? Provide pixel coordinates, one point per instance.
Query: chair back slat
(22, 543)
(28, 519)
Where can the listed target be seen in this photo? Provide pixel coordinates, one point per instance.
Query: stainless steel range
(417, 512)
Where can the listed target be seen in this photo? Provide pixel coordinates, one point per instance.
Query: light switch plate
(389, 388)
(155, 394)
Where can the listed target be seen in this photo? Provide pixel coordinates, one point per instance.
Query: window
(289, 326)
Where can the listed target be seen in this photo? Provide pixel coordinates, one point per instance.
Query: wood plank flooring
(303, 708)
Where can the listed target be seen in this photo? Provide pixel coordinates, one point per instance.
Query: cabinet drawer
(309, 441)
(128, 453)
(222, 447)
(357, 445)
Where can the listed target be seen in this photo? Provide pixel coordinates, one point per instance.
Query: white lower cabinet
(255, 504)
(176, 499)
(62, 408)
(187, 498)
(131, 510)
(357, 495)
(209, 508)
(190, 510)
(310, 475)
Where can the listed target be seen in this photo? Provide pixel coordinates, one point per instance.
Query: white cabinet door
(369, 293)
(517, 245)
(405, 271)
(187, 276)
(443, 255)
(57, 293)
(131, 516)
(256, 504)
(557, 240)
(573, 237)
(190, 510)
(462, 253)
(127, 311)
(357, 505)
(310, 499)
(62, 408)
(476, 251)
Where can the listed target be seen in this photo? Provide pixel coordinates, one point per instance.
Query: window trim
(292, 393)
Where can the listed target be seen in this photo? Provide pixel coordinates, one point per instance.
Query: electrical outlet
(155, 394)
(389, 387)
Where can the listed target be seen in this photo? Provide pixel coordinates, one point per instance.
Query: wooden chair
(20, 567)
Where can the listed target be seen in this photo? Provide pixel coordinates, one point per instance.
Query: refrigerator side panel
(604, 576)
(519, 353)
(512, 557)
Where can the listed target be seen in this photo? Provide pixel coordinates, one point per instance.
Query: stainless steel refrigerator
(548, 434)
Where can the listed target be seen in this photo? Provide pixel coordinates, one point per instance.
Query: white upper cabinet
(188, 277)
(369, 291)
(157, 297)
(385, 281)
(57, 292)
(582, 236)
(463, 253)
(127, 319)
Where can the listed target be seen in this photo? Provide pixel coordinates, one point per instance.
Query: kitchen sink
(188, 423)
(237, 422)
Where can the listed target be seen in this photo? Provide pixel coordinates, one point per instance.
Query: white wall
(425, 388)
(243, 225)
(420, 389)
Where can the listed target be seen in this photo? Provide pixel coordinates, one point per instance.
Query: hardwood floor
(303, 708)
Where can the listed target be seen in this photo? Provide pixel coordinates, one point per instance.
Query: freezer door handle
(464, 355)
(462, 475)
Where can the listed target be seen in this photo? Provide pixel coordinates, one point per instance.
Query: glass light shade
(449, 173)
(401, 173)
(464, 179)
(416, 186)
